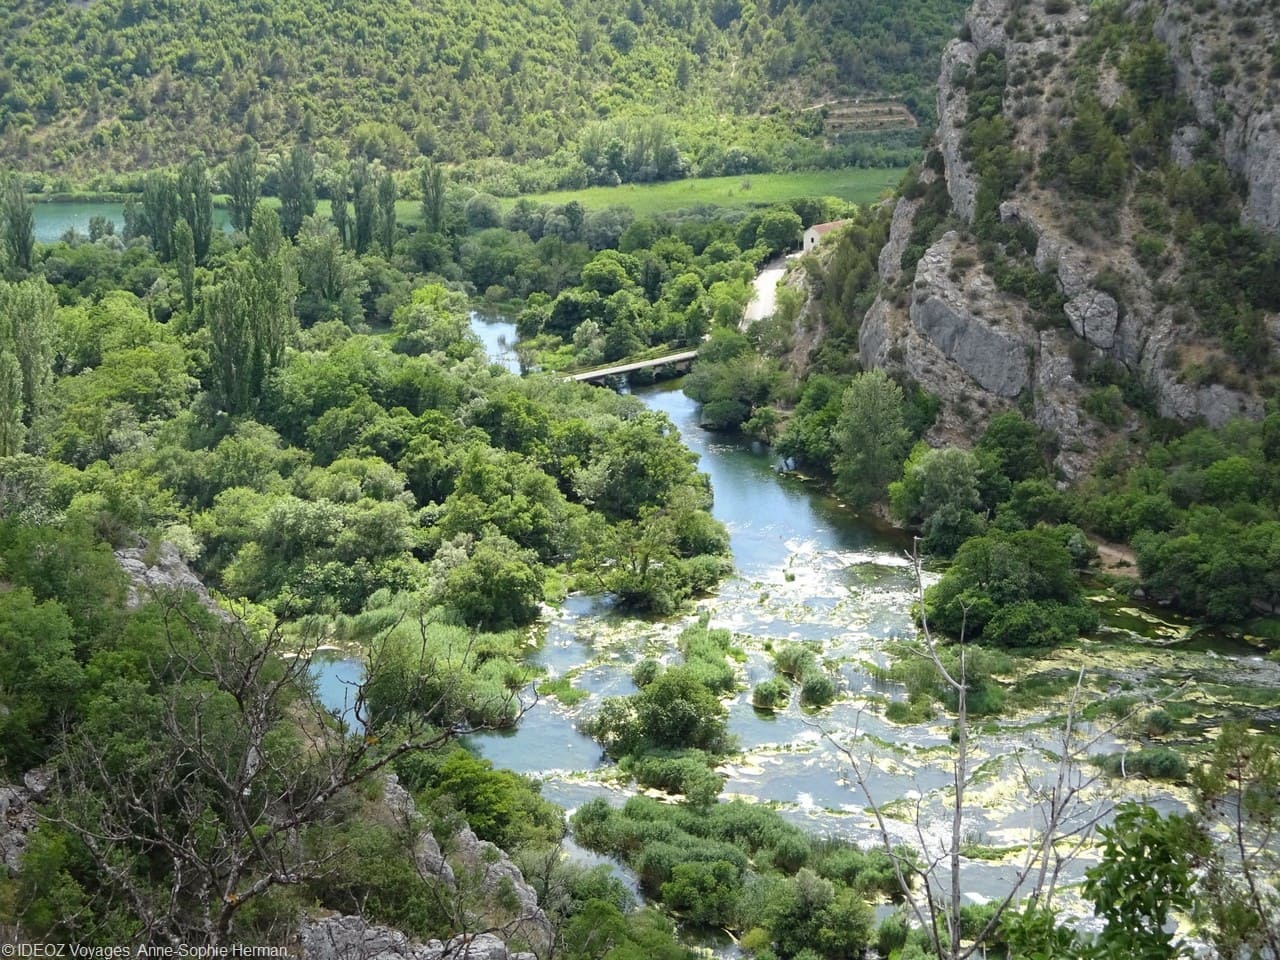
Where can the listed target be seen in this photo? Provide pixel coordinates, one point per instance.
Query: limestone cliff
(954, 313)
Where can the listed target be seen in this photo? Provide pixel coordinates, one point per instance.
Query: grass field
(856, 184)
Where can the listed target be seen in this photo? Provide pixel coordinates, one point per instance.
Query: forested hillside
(719, 86)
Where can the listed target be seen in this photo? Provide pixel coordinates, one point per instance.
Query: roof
(821, 228)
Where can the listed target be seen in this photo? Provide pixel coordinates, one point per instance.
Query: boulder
(354, 938)
(1093, 316)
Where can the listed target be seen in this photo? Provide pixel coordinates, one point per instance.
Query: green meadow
(855, 184)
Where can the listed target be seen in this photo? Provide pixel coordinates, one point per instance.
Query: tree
(17, 223)
(431, 179)
(330, 276)
(184, 253)
(161, 209)
(339, 212)
(297, 189)
(12, 430)
(28, 334)
(780, 230)
(872, 437)
(249, 315)
(203, 781)
(364, 197)
(939, 491)
(242, 184)
(387, 213)
(195, 202)
(1012, 589)
(1238, 798)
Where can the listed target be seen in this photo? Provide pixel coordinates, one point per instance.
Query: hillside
(1092, 238)
(120, 85)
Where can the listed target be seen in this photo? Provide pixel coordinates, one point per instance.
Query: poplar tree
(387, 212)
(297, 190)
(12, 430)
(17, 223)
(195, 201)
(365, 198)
(184, 254)
(339, 211)
(249, 315)
(242, 184)
(27, 347)
(431, 178)
(161, 209)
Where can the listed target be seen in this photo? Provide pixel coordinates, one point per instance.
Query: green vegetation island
(916, 595)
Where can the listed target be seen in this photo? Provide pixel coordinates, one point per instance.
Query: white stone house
(818, 231)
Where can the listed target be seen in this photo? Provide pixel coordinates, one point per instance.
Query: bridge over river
(683, 358)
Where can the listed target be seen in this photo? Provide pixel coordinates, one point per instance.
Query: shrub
(817, 690)
(683, 773)
(1153, 763)
(771, 694)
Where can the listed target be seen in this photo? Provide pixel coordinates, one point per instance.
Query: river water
(52, 220)
(809, 570)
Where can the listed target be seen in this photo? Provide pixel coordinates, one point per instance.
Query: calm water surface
(52, 220)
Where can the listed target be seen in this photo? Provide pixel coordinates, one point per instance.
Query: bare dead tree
(932, 885)
(210, 782)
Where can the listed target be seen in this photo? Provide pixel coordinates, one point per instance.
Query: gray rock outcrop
(889, 265)
(354, 938)
(991, 352)
(1241, 107)
(500, 881)
(17, 819)
(469, 866)
(158, 571)
(1093, 315)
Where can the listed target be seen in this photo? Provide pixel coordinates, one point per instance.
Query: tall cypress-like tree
(387, 212)
(17, 223)
(431, 178)
(184, 255)
(161, 209)
(297, 190)
(195, 200)
(340, 213)
(12, 430)
(242, 184)
(365, 198)
(27, 335)
(275, 288)
(249, 315)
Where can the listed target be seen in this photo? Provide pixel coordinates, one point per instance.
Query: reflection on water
(337, 678)
(52, 220)
(498, 334)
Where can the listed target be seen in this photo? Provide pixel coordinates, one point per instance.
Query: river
(52, 220)
(809, 570)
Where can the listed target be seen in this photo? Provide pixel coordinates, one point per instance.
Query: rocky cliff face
(1219, 51)
(982, 350)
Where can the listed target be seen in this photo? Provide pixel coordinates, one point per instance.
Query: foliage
(1237, 789)
(871, 436)
(1011, 589)
(633, 91)
(1146, 872)
(1201, 513)
(743, 867)
(939, 491)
